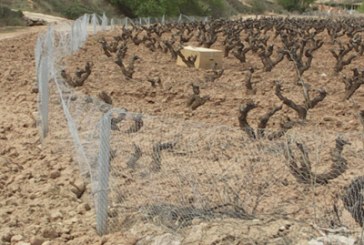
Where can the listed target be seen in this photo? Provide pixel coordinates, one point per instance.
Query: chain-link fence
(174, 172)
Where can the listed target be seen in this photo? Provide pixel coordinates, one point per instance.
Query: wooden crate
(206, 58)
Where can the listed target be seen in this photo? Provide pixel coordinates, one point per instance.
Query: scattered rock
(323, 75)
(35, 90)
(71, 221)
(55, 174)
(105, 97)
(22, 243)
(74, 97)
(16, 238)
(166, 239)
(103, 240)
(7, 235)
(55, 215)
(328, 119)
(78, 187)
(82, 208)
(34, 22)
(50, 233)
(67, 237)
(332, 239)
(66, 230)
(36, 241)
(32, 196)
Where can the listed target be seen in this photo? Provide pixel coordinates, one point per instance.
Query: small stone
(16, 238)
(55, 215)
(36, 241)
(67, 237)
(46, 243)
(55, 174)
(87, 207)
(82, 208)
(282, 228)
(328, 119)
(74, 220)
(73, 97)
(66, 230)
(196, 222)
(22, 243)
(323, 75)
(166, 239)
(78, 188)
(333, 239)
(103, 240)
(35, 90)
(50, 233)
(6, 237)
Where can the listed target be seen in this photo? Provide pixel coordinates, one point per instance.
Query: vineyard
(273, 133)
(276, 134)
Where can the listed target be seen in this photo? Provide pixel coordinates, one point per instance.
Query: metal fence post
(104, 22)
(103, 175)
(95, 22)
(112, 23)
(43, 95)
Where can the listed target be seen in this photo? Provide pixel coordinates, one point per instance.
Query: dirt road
(8, 32)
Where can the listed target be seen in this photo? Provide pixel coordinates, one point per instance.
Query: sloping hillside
(65, 8)
(73, 9)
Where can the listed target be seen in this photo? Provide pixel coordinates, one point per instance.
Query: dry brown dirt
(39, 183)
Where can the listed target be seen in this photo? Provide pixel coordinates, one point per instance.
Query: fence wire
(173, 172)
(82, 112)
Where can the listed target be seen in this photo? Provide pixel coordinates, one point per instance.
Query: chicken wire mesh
(82, 112)
(321, 165)
(173, 172)
(64, 39)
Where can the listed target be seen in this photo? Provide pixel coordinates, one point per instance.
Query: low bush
(9, 17)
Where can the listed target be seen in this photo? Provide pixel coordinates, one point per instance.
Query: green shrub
(9, 17)
(258, 6)
(76, 10)
(295, 5)
(361, 8)
(144, 8)
(238, 6)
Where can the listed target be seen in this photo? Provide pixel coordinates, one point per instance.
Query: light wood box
(206, 58)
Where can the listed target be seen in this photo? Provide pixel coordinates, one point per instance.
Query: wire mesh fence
(174, 172)
(82, 112)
